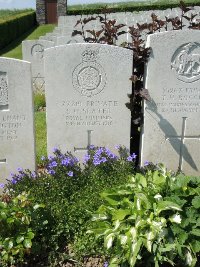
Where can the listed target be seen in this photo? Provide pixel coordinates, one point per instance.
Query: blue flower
(19, 169)
(117, 147)
(91, 147)
(33, 175)
(105, 264)
(53, 164)
(129, 158)
(65, 161)
(43, 158)
(146, 163)
(96, 161)
(2, 185)
(13, 181)
(86, 158)
(52, 172)
(103, 159)
(50, 157)
(70, 173)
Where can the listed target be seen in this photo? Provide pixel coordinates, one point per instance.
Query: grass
(41, 133)
(14, 49)
(139, 3)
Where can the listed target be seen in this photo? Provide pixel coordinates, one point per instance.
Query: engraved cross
(88, 145)
(182, 138)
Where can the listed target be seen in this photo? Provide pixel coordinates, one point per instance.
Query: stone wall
(61, 7)
(40, 11)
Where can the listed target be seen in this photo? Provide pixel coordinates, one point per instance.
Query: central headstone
(171, 132)
(86, 93)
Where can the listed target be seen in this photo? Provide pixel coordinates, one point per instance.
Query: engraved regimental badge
(89, 77)
(37, 51)
(3, 89)
(186, 62)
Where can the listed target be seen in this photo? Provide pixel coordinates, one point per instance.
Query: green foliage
(133, 6)
(70, 193)
(151, 220)
(39, 101)
(41, 136)
(5, 13)
(14, 49)
(15, 26)
(16, 234)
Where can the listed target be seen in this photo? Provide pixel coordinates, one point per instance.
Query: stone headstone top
(33, 51)
(171, 132)
(86, 98)
(17, 141)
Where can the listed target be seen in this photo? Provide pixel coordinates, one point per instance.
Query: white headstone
(86, 97)
(33, 51)
(171, 132)
(17, 142)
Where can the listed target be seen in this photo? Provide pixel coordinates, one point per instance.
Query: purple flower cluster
(61, 160)
(17, 177)
(131, 157)
(99, 155)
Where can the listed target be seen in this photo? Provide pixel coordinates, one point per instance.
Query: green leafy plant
(148, 221)
(16, 233)
(70, 194)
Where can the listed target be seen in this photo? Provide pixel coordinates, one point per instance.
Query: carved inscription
(89, 77)
(90, 113)
(10, 126)
(37, 51)
(3, 91)
(179, 100)
(186, 62)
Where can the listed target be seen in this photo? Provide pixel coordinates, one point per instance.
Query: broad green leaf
(150, 237)
(97, 217)
(37, 206)
(167, 205)
(143, 199)
(133, 232)
(30, 235)
(27, 243)
(113, 200)
(196, 202)
(10, 220)
(135, 248)
(123, 239)
(3, 205)
(114, 262)
(158, 179)
(196, 246)
(109, 240)
(195, 232)
(120, 214)
(20, 239)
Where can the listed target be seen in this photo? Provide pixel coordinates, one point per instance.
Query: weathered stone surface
(86, 97)
(33, 51)
(40, 12)
(17, 141)
(171, 132)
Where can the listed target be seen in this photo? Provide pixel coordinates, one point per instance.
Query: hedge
(125, 8)
(15, 26)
